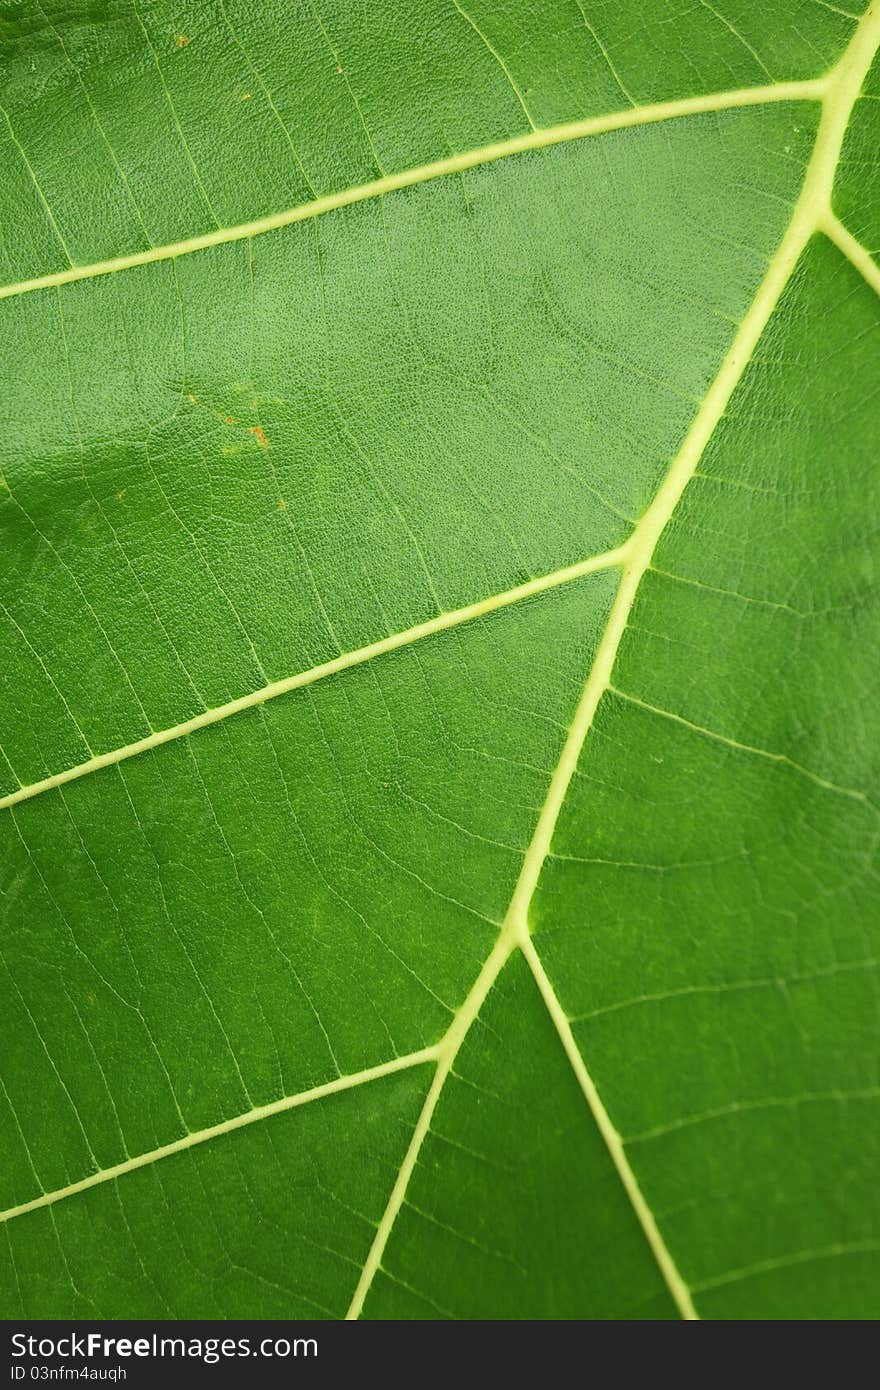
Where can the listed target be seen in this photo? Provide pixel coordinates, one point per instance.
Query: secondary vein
(406, 178)
(201, 1136)
(854, 251)
(607, 560)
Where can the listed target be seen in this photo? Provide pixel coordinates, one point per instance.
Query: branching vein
(608, 560)
(407, 178)
(853, 250)
(201, 1136)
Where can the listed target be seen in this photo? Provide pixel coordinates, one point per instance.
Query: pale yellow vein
(406, 178)
(441, 623)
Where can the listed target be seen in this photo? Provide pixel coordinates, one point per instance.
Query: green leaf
(438, 708)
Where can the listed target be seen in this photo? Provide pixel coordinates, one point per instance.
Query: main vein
(813, 90)
(811, 214)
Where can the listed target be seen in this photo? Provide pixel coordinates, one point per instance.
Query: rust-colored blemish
(182, 40)
(259, 436)
(282, 505)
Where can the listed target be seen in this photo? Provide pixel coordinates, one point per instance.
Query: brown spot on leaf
(182, 40)
(259, 436)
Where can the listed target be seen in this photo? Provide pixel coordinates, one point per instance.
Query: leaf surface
(439, 611)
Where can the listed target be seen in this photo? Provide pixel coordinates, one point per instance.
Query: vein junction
(816, 89)
(608, 560)
(812, 214)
